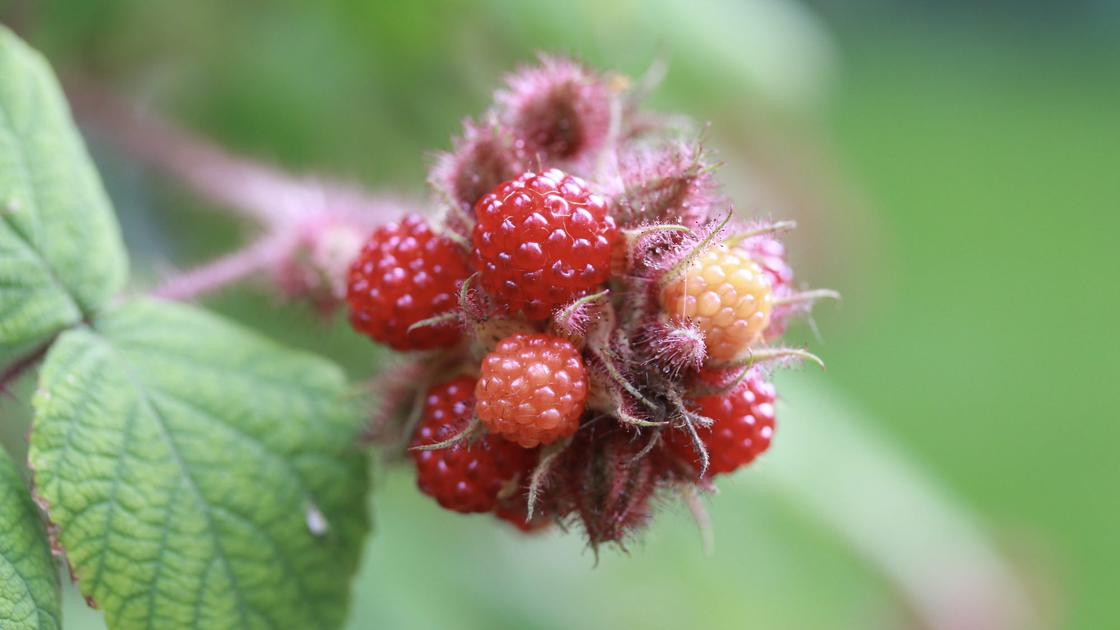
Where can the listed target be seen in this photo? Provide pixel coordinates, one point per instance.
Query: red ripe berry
(405, 274)
(742, 430)
(541, 241)
(463, 477)
(532, 389)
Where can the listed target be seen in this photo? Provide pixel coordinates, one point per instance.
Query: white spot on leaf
(316, 523)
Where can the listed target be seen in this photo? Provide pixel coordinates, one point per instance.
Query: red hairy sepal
(483, 322)
(606, 482)
(671, 183)
(556, 111)
(674, 347)
(572, 321)
(643, 247)
(669, 262)
(478, 161)
(397, 394)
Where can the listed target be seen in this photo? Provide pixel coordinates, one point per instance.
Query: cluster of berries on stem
(589, 325)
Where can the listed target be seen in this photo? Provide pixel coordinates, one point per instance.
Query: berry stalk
(262, 255)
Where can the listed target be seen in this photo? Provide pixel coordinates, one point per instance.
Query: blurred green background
(956, 172)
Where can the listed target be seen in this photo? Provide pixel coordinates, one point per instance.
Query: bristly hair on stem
(763, 356)
(469, 433)
(537, 480)
(572, 320)
(260, 256)
(806, 297)
(261, 192)
(290, 208)
(711, 236)
(766, 229)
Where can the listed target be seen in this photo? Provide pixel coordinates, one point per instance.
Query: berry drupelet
(541, 241)
(727, 296)
(405, 274)
(742, 427)
(466, 476)
(532, 389)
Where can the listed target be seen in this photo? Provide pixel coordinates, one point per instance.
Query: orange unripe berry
(727, 296)
(532, 389)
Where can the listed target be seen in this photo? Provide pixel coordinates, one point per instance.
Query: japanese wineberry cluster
(596, 326)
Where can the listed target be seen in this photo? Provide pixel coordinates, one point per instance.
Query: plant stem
(264, 254)
(10, 374)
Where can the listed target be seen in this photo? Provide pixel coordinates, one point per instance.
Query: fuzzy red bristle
(605, 483)
(742, 428)
(555, 111)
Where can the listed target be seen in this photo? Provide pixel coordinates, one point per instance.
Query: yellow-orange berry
(727, 296)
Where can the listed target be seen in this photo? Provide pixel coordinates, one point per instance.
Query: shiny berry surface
(727, 296)
(404, 274)
(742, 429)
(541, 241)
(532, 389)
(466, 477)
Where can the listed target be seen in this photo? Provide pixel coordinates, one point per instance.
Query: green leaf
(200, 476)
(28, 578)
(61, 256)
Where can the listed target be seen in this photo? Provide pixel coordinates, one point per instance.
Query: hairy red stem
(259, 256)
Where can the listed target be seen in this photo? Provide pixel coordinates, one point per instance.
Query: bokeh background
(956, 172)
